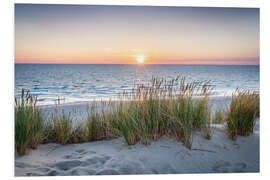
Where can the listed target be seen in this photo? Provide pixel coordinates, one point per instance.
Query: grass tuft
(99, 123)
(28, 123)
(61, 126)
(202, 116)
(242, 114)
(163, 107)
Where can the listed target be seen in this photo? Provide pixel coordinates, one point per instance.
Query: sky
(88, 34)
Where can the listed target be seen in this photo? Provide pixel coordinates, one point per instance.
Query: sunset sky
(79, 34)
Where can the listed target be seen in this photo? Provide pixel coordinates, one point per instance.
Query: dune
(165, 156)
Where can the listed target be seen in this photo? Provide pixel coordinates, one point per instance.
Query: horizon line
(138, 64)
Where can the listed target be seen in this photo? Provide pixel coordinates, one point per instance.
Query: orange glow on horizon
(140, 59)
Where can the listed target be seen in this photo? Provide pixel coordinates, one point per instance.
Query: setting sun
(140, 59)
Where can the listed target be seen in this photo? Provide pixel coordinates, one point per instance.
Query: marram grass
(99, 123)
(163, 108)
(173, 108)
(29, 123)
(242, 114)
(61, 126)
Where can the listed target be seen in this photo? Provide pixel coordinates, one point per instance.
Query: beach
(164, 156)
(116, 90)
(115, 135)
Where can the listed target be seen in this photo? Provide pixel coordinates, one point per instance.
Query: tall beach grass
(163, 107)
(29, 123)
(242, 113)
(174, 108)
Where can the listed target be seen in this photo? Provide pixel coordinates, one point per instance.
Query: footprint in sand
(88, 162)
(72, 156)
(80, 151)
(52, 173)
(78, 154)
(44, 170)
(93, 162)
(101, 160)
(67, 165)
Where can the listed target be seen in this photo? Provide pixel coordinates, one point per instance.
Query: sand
(165, 156)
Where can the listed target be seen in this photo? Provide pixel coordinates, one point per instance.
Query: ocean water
(85, 82)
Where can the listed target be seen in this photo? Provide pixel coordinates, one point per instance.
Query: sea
(74, 83)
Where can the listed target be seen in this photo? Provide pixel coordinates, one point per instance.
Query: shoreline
(64, 102)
